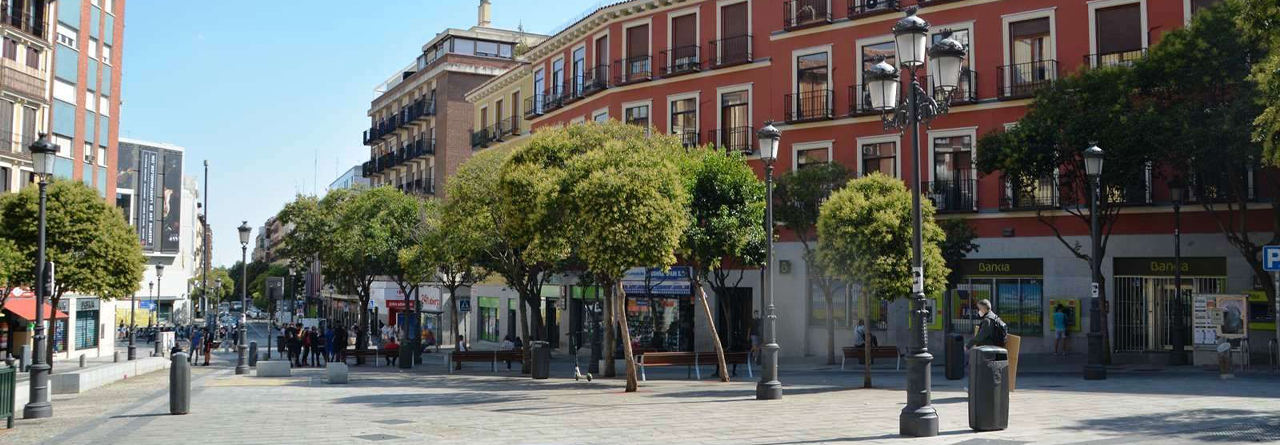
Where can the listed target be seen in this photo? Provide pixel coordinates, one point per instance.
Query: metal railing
(1023, 79)
(810, 105)
(20, 82)
(733, 139)
(595, 80)
(689, 137)
(575, 90)
(1017, 194)
(957, 195)
(860, 101)
(801, 13)
(366, 169)
(479, 138)
(8, 393)
(1118, 58)
(730, 51)
(533, 106)
(681, 60)
(504, 128)
(552, 99)
(966, 90)
(635, 69)
(865, 8)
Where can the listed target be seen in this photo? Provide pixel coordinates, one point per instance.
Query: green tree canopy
(10, 261)
(1260, 21)
(217, 294)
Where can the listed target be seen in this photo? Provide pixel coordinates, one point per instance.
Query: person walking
(295, 345)
(328, 343)
(340, 344)
(306, 346)
(197, 344)
(317, 348)
(1060, 341)
(208, 347)
(991, 332)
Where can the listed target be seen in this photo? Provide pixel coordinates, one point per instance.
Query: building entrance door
(733, 319)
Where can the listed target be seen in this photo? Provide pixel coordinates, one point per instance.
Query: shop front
(1145, 295)
(18, 320)
(487, 318)
(659, 309)
(586, 315)
(1015, 288)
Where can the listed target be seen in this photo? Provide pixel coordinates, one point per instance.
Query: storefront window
(86, 323)
(488, 318)
(1015, 287)
(660, 323)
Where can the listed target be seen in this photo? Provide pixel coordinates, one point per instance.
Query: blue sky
(274, 93)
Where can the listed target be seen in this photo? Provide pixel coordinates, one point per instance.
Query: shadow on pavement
(415, 400)
(1204, 425)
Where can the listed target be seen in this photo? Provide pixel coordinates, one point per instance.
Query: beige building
(25, 73)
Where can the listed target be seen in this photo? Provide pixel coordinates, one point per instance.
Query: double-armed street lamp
(1094, 369)
(242, 360)
(769, 387)
(1178, 194)
(43, 155)
(946, 59)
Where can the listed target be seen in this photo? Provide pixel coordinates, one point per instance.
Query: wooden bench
(693, 360)
(367, 353)
(876, 352)
(493, 357)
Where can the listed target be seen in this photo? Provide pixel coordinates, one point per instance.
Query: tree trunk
(711, 325)
(610, 337)
(866, 340)
(362, 334)
(525, 365)
(632, 384)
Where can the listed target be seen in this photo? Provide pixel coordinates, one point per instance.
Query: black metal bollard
(253, 354)
(179, 384)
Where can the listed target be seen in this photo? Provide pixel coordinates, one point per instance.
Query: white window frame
(578, 120)
(972, 132)
(639, 103)
(795, 65)
(967, 26)
(552, 69)
(585, 66)
(696, 11)
(624, 71)
(895, 138)
(720, 16)
(1095, 5)
(592, 50)
(697, 108)
(1009, 19)
(798, 147)
(597, 113)
(751, 103)
(857, 60)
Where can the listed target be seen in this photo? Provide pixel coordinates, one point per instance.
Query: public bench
(456, 358)
(369, 353)
(876, 352)
(693, 360)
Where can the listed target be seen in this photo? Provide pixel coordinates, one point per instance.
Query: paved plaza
(821, 405)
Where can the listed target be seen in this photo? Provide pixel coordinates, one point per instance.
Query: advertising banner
(148, 190)
(653, 281)
(171, 200)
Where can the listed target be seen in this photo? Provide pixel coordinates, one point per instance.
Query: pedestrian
(208, 347)
(295, 345)
(340, 344)
(197, 344)
(507, 345)
(328, 343)
(991, 331)
(306, 346)
(391, 350)
(1060, 325)
(317, 347)
(753, 332)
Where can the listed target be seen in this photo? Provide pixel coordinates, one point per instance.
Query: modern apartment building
(86, 89)
(351, 178)
(25, 71)
(420, 123)
(713, 72)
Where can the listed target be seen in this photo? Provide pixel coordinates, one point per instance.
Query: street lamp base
(770, 390)
(133, 352)
(918, 422)
(37, 410)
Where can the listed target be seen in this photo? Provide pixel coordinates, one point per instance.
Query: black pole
(38, 406)
(918, 418)
(242, 360)
(208, 253)
(769, 388)
(1179, 355)
(1094, 370)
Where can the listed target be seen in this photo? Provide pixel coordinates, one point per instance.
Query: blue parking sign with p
(1271, 258)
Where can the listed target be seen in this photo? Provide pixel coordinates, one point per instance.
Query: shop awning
(25, 308)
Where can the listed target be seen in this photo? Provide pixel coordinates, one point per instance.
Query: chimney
(485, 14)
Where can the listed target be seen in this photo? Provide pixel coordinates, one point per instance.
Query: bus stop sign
(1271, 258)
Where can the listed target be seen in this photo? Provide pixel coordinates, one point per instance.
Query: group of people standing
(314, 346)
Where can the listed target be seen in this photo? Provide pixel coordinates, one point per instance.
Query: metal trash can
(541, 359)
(988, 388)
(954, 351)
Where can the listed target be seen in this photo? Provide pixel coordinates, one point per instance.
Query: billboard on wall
(148, 168)
(171, 202)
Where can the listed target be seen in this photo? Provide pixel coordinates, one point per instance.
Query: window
(497, 117)
(10, 49)
(735, 122)
(33, 57)
(4, 179)
(86, 327)
(684, 44)
(880, 157)
(1118, 35)
(810, 156)
(684, 120)
(579, 69)
(637, 65)
(966, 89)
(64, 119)
(1029, 52)
(66, 39)
(6, 128)
(69, 13)
(488, 318)
(840, 305)
(601, 115)
(539, 85)
(954, 186)
(464, 46)
(488, 49)
(602, 60)
(557, 77)
(106, 55)
(813, 93)
(66, 64)
(637, 115)
(734, 45)
(515, 112)
(871, 54)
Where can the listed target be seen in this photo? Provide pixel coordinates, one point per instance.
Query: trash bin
(1226, 370)
(541, 359)
(954, 351)
(988, 388)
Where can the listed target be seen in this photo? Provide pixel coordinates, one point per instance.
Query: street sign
(1094, 292)
(1271, 258)
(464, 305)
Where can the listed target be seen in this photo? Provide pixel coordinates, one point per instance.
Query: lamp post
(151, 290)
(946, 59)
(1178, 193)
(208, 252)
(38, 406)
(242, 360)
(769, 387)
(1094, 370)
(159, 274)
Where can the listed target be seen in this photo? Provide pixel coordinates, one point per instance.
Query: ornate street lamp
(1178, 194)
(159, 274)
(769, 387)
(242, 360)
(1094, 370)
(43, 153)
(910, 35)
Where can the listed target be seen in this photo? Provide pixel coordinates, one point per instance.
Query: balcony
(420, 110)
(552, 99)
(867, 8)
(533, 106)
(575, 90)
(733, 139)
(681, 60)
(797, 14)
(24, 20)
(366, 169)
(632, 70)
(480, 138)
(504, 128)
(595, 80)
(860, 101)
(1119, 58)
(810, 106)
(1022, 80)
(689, 137)
(1036, 194)
(26, 85)
(730, 51)
(953, 196)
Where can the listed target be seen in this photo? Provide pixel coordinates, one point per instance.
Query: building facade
(86, 90)
(25, 73)
(713, 72)
(420, 121)
(352, 178)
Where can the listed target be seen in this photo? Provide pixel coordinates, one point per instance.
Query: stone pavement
(383, 405)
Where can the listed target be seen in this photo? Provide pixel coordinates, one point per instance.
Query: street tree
(957, 247)
(94, 250)
(11, 259)
(725, 212)
(865, 232)
(797, 203)
(216, 293)
(626, 206)
(1259, 21)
